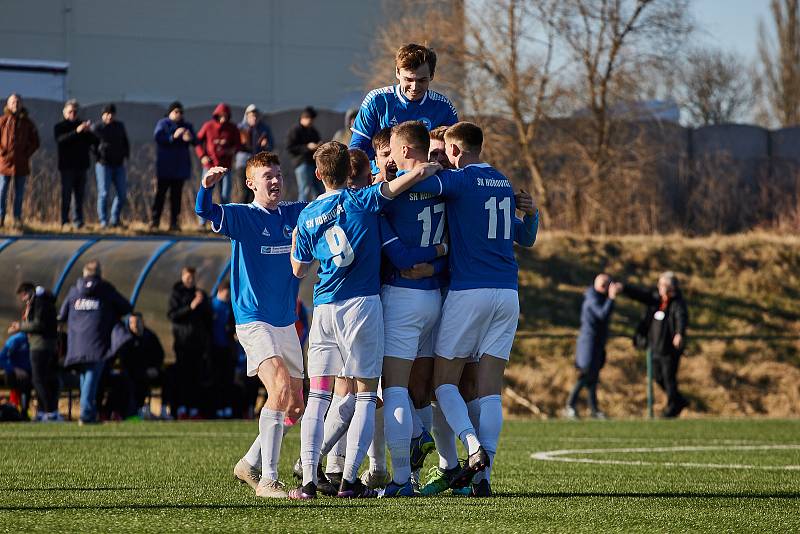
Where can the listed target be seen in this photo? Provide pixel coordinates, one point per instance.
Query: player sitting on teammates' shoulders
(340, 229)
(410, 99)
(481, 310)
(264, 295)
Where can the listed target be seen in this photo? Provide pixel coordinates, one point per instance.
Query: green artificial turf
(167, 477)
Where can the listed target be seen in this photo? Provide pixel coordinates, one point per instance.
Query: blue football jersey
(387, 107)
(341, 230)
(481, 223)
(263, 287)
(418, 220)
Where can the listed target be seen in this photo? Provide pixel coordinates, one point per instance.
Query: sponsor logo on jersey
(282, 249)
(393, 122)
(265, 233)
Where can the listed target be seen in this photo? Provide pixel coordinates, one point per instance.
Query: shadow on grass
(276, 506)
(70, 488)
(653, 495)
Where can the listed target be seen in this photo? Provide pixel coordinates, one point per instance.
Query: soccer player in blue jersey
(410, 99)
(340, 229)
(480, 313)
(264, 295)
(411, 307)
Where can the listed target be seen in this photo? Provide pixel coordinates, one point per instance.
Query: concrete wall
(278, 54)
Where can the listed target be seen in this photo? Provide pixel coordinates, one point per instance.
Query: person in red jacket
(18, 141)
(217, 143)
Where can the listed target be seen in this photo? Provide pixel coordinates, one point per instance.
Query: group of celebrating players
(416, 299)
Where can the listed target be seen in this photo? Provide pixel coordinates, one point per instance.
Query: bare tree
(780, 61)
(715, 87)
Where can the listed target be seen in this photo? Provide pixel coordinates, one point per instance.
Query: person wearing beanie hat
(174, 137)
(254, 136)
(301, 142)
(111, 151)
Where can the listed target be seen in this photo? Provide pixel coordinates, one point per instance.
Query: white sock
(490, 427)
(359, 434)
(444, 438)
(474, 411)
(397, 417)
(253, 456)
(416, 422)
(270, 424)
(335, 458)
(455, 410)
(311, 433)
(336, 422)
(425, 415)
(377, 449)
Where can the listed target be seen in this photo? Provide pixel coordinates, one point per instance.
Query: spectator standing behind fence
(223, 352)
(91, 309)
(590, 354)
(662, 330)
(173, 137)
(75, 140)
(141, 358)
(301, 142)
(217, 143)
(254, 136)
(111, 151)
(18, 141)
(39, 323)
(15, 361)
(190, 312)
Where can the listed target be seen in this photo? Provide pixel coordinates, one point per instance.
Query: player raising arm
(264, 297)
(340, 230)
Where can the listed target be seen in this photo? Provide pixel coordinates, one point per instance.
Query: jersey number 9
(340, 247)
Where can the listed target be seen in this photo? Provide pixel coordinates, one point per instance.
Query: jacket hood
(350, 115)
(89, 285)
(222, 109)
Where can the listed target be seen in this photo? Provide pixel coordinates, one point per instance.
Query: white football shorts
(477, 322)
(347, 337)
(410, 318)
(262, 341)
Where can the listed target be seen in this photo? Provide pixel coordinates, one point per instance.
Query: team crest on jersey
(426, 121)
(265, 233)
(287, 231)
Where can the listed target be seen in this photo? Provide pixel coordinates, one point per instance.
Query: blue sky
(731, 24)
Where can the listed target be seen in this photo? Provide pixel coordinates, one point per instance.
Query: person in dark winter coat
(590, 354)
(174, 137)
(90, 310)
(75, 141)
(141, 358)
(18, 141)
(190, 312)
(301, 142)
(40, 324)
(663, 331)
(111, 151)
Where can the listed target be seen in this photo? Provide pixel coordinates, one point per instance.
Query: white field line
(563, 456)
